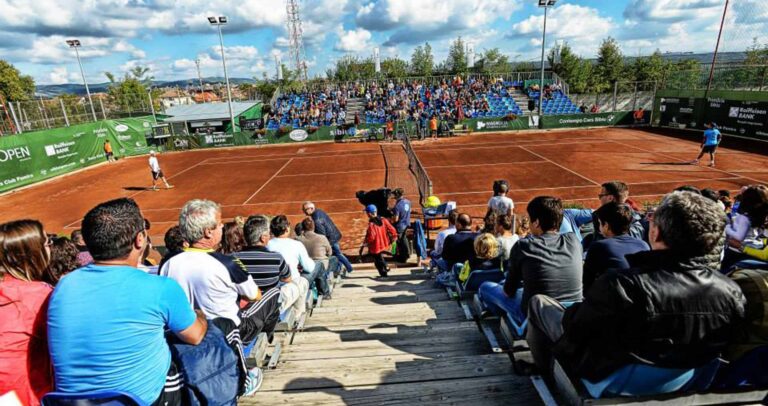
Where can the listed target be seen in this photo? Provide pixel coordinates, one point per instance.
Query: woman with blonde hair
(25, 366)
(487, 256)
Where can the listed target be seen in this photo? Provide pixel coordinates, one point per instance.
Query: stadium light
(218, 23)
(545, 4)
(75, 43)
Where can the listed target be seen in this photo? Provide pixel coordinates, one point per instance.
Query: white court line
(269, 180)
(212, 162)
(560, 166)
(311, 155)
(492, 164)
(330, 173)
(534, 143)
(684, 160)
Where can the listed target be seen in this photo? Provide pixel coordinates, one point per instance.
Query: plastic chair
(476, 278)
(746, 372)
(648, 380)
(96, 398)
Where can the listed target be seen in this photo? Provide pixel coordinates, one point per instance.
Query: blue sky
(168, 35)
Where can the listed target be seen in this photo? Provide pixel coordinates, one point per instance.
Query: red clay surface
(572, 164)
(277, 179)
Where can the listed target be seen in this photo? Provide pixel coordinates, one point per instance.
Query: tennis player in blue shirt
(712, 138)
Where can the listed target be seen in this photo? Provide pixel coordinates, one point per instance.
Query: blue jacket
(210, 369)
(420, 240)
(325, 226)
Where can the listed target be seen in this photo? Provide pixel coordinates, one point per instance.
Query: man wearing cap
(325, 226)
(157, 173)
(712, 138)
(378, 238)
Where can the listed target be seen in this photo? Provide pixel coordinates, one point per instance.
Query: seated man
(268, 269)
(460, 246)
(672, 309)
(437, 251)
(318, 247)
(613, 221)
(106, 321)
(295, 255)
(547, 261)
(215, 283)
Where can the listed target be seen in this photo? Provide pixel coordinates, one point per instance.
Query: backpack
(754, 286)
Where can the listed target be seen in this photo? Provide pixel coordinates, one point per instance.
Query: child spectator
(378, 237)
(24, 361)
(63, 259)
(232, 238)
(505, 236)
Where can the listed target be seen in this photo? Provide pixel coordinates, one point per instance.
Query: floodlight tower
(545, 4)
(74, 44)
(295, 40)
(218, 22)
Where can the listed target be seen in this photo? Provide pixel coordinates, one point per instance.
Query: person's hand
(734, 243)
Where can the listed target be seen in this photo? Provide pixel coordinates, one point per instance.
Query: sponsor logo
(733, 112)
(480, 125)
(146, 124)
(100, 133)
(17, 179)
(60, 148)
(121, 128)
(20, 153)
(298, 135)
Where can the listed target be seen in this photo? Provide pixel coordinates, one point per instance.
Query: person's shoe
(253, 382)
(169, 187)
(695, 162)
(154, 189)
(327, 296)
(711, 164)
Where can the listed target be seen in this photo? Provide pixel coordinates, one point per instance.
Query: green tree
(129, 94)
(525, 66)
(757, 61)
(457, 57)
(652, 68)
(422, 60)
(492, 61)
(571, 68)
(609, 67)
(350, 68)
(394, 68)
(13, 85)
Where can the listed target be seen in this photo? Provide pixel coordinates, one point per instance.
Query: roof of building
(206, 111)
(206, 96)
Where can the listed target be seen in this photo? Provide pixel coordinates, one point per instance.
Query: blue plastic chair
(746, 372)
(648, 380)
(476, 278)
(96, 398)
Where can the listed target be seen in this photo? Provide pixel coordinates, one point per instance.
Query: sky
(168, 36)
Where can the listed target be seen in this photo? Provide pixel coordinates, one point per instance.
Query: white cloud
(61, 75)
(583, 28)
(356, 40)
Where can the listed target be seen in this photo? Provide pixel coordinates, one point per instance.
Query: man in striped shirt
(269, 269)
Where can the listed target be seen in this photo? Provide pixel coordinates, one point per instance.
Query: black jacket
(665, 310)
(325, 226)
(459, 247)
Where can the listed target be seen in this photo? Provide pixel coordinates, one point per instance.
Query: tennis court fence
(422, 177)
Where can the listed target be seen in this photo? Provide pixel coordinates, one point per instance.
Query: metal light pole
(218, 23)
(717, 48)
(546, 4)
(74, 43)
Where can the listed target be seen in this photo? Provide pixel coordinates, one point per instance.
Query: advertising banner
(32, 157)
(746, 118)
(496, 124)
(588, 120)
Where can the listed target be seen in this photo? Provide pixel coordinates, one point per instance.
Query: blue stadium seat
(476, 278)
(97, 398)
(745, 372)
(648, 380)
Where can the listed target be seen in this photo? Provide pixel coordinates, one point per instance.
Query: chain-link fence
(624, 96)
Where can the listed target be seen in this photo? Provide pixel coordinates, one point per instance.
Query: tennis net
(422, 178)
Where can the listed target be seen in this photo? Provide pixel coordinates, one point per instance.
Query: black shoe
(327, 296)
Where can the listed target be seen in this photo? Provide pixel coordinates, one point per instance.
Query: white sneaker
(253, 382)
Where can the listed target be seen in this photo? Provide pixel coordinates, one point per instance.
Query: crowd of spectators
(164, 334)
(316, 108)
(600, 289)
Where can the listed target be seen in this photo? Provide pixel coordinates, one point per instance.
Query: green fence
(31, 157)
(736, 113)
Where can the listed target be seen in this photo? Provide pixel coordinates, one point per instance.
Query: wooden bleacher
(393, 341)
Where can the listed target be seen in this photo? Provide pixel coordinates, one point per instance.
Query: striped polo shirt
(265, 267)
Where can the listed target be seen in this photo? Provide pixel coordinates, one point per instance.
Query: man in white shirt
(500, 203)
(295, 255)
(215, 283)
(437, 252)
(157, 173)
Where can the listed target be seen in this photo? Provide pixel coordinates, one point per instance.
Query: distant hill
(79, 89)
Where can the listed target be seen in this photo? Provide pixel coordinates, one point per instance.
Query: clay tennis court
(277, 179)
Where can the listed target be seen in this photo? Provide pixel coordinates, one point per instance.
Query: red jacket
(25, 366)
(377, 236)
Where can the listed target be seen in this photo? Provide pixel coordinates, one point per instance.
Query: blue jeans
(340, 255)
(492, 296)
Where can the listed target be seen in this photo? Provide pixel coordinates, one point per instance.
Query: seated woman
(24, 298)
(748, 226)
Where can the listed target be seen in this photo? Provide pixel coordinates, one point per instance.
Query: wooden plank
(336, 334)
(480, 391)
(384, 299)
(387, 369)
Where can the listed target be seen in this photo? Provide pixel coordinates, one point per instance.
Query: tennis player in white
(157, 173)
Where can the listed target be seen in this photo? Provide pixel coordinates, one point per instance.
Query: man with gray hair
(325, 226)
(269, 269)
(672, 308)
(215, 283)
